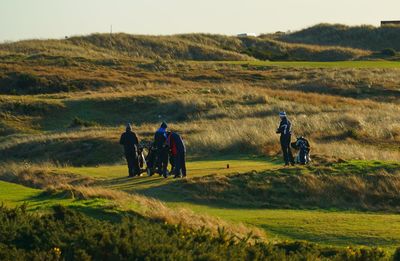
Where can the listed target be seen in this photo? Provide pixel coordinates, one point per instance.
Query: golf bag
(141, 157)
(303, 146)
(157, 161)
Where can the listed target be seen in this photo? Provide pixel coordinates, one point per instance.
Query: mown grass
(195, 167)
(16, 193)
(323, 227)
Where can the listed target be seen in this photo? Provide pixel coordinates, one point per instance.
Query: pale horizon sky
(27, 19)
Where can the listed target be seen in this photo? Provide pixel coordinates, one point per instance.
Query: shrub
(69, 235)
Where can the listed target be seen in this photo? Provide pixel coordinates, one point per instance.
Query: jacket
(160, 137)
(176, 144)
(285, 127)
(130, 141)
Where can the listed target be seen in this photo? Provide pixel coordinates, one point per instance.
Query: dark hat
(128, 126)
(164, 125)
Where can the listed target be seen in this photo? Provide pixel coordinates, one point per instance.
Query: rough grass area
(364, 37)
(223, 119)
(200, 47)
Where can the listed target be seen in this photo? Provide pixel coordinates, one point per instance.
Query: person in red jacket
(178, 152)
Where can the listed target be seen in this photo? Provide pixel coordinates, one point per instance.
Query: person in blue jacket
(178, 152)
(160, 142)
(285, 130)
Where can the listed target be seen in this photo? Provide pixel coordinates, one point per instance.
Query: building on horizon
(247, 35)
(393, 22)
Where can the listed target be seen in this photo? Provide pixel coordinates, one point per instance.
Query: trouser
(180, 164)
(162, 160)
(287, 152)
(133, 163)
(172, 160)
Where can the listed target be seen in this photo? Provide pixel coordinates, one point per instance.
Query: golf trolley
(149, 161)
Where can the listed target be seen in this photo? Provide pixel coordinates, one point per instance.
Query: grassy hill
(200, 47)
(361, 37)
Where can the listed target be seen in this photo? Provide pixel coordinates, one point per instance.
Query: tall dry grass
(326, 186)
(240, 118)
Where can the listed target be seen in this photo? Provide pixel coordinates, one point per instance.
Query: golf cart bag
(141, 150)
(157, 161)
(151, 160)
(303, 146)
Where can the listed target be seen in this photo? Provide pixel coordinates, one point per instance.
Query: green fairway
(14, 193)
(194, 168)
(306, 64)
(322, 227)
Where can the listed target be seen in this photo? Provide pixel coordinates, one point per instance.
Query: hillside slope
(200, 47)
(362, 37)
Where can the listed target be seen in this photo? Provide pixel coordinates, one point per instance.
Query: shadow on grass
(122, 183)
(95, 208)
(329, 237)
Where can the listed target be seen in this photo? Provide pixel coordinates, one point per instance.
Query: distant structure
(247, 35)
(394, 22)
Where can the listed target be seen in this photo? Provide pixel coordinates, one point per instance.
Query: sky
(27, 19)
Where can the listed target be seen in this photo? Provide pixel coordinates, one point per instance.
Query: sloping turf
(339, 228)
(14, 193)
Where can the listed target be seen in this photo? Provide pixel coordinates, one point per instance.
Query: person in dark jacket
(178, 152)
(160, 142)
(285, 130)
(130, 142)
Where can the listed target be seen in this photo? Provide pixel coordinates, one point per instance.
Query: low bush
(69, 235)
